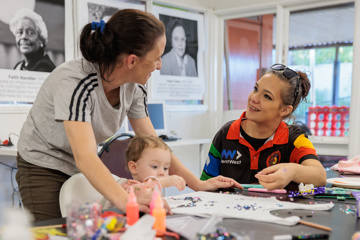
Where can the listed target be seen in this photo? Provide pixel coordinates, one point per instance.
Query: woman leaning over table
(83, 102)
(260, 146)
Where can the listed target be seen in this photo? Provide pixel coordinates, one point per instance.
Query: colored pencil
(315, 225)
(50, 226)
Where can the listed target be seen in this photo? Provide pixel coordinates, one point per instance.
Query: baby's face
(153, 162)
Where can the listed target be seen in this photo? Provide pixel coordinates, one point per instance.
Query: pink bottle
(153, 200)
(132, 208)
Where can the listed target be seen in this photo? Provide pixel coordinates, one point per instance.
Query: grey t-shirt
(74, 92)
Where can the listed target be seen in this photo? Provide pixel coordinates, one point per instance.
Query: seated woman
(260, 146)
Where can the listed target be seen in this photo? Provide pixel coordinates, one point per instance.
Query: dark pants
(39, 189)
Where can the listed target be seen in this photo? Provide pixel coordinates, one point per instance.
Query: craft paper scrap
(207, 204)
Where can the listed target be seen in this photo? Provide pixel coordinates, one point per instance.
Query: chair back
(78, 190)
(113, 156)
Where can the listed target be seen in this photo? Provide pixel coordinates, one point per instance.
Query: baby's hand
(173, 180)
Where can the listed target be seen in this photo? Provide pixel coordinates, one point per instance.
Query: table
(343, 225)
(8, 151)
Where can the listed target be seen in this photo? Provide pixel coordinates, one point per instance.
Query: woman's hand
(215, 183)
(277, 176)
(310, 171)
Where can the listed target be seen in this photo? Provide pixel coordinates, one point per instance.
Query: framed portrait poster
(181, 77)
(95, 10)
(32, 44)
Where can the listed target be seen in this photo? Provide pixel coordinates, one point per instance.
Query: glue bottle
(153, 199)
(132, 208)
(159, 214)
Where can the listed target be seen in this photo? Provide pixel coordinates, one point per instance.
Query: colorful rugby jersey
(232, 156)
(74, 92)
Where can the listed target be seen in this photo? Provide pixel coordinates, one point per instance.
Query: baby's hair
(141, 142)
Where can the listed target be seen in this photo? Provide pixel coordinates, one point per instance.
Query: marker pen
(297, 237)
(247, 186)
(281, 191)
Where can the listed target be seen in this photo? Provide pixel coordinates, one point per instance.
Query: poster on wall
(88, 11)
(32, 44)
(181, 76)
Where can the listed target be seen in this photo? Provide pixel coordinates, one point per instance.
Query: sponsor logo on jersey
(230, 157)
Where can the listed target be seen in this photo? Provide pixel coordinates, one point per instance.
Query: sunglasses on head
(289, 74)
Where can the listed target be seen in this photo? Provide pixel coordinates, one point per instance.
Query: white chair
(78, 189)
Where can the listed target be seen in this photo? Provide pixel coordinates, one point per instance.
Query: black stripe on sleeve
(309, 156)
(145, 104)
(86, 98)
(85, 88)
(75, 92)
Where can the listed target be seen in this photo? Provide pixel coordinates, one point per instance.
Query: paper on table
(235, 206)
(189, 226)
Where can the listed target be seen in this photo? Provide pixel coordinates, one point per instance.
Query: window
(326, 55)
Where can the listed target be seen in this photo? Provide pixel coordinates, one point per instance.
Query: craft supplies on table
(159, 213)
(238, 206)
(132, 208)
(278, 191)
(357, 197)
(303, 236)
(189, 226)
(247, 186)
(345, 182)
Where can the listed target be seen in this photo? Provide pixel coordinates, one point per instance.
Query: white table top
(8, 151)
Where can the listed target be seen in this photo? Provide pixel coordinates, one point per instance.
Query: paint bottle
(159, 214)
(153, 199)
(132, 208)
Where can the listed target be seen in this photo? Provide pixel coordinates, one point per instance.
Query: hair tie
(96, 25)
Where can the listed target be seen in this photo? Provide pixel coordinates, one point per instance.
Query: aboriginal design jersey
(232, 156)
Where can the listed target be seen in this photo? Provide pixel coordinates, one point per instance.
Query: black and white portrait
(180, 55)
(33, 38)
(181, 76)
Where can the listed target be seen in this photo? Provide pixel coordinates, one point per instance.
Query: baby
(148, 159)
(148, 156)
